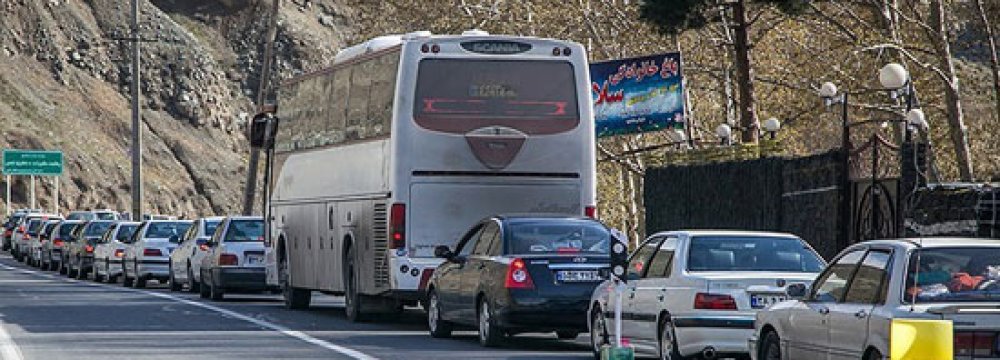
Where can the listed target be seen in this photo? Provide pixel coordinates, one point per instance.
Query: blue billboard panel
(638, 94)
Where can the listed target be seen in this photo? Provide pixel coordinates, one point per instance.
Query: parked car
(110, 249)
(235, 259)
(79, 254)
(695, 293)
(87, 215)
(25, 230)
(185, 261)
(52, 251)
(514, 274)
(848, 311)
(35, 244)
(147, 255)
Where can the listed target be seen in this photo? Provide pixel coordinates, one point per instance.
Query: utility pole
(265, 75)
(136, 118)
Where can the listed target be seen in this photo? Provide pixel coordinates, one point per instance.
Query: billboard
(638, 94)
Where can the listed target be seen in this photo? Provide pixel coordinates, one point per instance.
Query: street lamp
(725, 133)
(772, 125)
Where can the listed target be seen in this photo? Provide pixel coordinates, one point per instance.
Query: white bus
(407, 141)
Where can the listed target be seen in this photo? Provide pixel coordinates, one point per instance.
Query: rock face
(64, 85)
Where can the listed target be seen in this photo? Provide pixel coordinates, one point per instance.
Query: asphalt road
(47, 316)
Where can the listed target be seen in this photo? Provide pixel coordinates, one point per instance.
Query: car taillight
(975, 343)
(88, 248)
(119, 253)
(590, 211)
(203, 247)
(151, 252)
(518, 276)
(228, 259)
(714, 302)
(397, 226)
(58, 242)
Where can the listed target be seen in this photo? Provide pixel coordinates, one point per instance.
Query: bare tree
(995, 66)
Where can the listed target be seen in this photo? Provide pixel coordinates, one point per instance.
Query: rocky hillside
(64, 84)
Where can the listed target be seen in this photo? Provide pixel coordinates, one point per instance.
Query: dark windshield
(125, 232)
(210, 226)
(34, 225)
(66, 229)
(244, 231)
(97, 228)
(85, 216)
(167, 230)
(459, 95)
(954, 274)
(751, 253)
(557, 236)
(48, 227)
(105, 216)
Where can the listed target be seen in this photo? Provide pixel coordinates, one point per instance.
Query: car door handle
(861, 314)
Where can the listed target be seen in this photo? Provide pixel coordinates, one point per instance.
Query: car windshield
(97, 228)
(211, 225)
(557, 236)
(751, 253)
(125, 232)
(105, 216)
(954, 274)
(85, 216)
(167, 230)
(66, 229)
(245, 231)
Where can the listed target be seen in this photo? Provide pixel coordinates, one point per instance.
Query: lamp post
(772, 125)
(725, 133)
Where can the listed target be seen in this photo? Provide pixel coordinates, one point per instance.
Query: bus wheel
(352, 300)
(295, 298)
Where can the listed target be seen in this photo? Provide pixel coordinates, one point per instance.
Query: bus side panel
(330, 260)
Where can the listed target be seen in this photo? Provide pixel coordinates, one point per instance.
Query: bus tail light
(228, 260)
(518, 276)
(714, 302)
(590, 211)
(397, 226)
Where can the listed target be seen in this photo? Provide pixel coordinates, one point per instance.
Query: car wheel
(62, 268)
(174, 285)
(81, 274)
(294, 298)
(126, 281)
(771, 347)
(667, 345)
(352, 299)
(215, 292)
(599, 336)
(873, 355)
(203, 291)
(192, 284)
(490, 335)
(70, 270)
(567, 335)
(439, 328)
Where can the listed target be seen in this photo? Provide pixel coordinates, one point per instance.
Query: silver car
(695, 293)
(109, 251)
(147, 255)
(848, 312)
(235, 261)
(185, 261)
(52, 251)
(35, 244)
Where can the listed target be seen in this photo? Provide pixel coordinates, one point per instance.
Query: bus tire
(295, 298)
(352, 299)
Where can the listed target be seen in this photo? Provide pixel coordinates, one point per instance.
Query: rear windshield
(245, 231)
(85, 216)
(210, 226)
(97, 228)
(167, 230)
(66, 229)
(751, 253)
(34, 225)
(13, 221)
(48, 227)
(459, 95)
(125, 232)
(954, 274)
(106, 216)
(557, 236)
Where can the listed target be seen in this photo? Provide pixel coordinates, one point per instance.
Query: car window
(831, 285)
(663, 260)
(125, 232)
(137, 233)
(105, 216)
(97, 228)
(640, 258)
(467, 243)
(486, 239)
(954, 274)
(210, 226)
(867, 286)
(245, 231)
(66, 230)
(191, 231)
(556, 236)
(166, 230)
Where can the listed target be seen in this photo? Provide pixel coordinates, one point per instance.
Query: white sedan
(147, 255)
(185, 261)
(848, 312)
(109, 251)
(695, 293)
(235, 261)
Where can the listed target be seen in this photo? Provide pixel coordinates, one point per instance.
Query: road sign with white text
(32, 162)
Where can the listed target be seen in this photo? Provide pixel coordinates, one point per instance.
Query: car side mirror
(797, 291)
(443, 252)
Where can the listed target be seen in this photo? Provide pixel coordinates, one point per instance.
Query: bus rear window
(460, 95)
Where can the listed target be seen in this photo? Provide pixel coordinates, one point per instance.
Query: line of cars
(212, 256)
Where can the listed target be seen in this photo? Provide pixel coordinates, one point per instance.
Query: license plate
(578, 275)
(760, 301)
(255, 259)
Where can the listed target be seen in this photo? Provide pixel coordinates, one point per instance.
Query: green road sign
(32, 162)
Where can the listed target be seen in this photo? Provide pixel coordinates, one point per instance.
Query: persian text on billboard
(638, 94)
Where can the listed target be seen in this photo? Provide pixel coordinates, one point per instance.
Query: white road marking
(261, 323)
(8, 348)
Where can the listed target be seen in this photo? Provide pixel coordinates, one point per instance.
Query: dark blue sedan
(515, 274)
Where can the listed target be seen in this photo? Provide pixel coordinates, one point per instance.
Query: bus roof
(389, 41)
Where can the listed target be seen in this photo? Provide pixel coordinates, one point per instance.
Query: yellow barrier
(921, 340)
